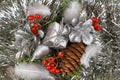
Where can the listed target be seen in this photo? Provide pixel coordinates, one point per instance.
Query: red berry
(57, 71)
(35, 25)
(60, 54)
(34, 30)
(52, 59)
(52, 64)
(37, 16)
(97, 27)
(48, 67)
(30, 17)
(95, 20)
(52, 70)
(45, 62)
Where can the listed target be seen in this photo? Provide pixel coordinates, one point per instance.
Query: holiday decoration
(60, 54)
(59, 39)
(95, 24)
(51, 65)
(81, 32)
(77, 29)
(40, 51)
(30, 17)
(34, 29)
(56, 35)
(82, 28)
(71, 59)
(37, 16)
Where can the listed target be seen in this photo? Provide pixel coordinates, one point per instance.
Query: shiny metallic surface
(81, 32)
(40, 51)
(74, 22)
(13, 18)
(105, 67)
(55, 36)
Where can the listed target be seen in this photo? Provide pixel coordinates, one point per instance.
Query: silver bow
(81, 32)
(57, 35)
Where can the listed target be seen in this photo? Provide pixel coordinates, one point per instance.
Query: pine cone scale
(82, 45)
(69, 61)
(73, 62)
(72, 55)
(70, 67)
(75, 51)
(65, 71)
(78, 48)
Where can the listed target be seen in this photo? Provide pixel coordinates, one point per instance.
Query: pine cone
(71, 59)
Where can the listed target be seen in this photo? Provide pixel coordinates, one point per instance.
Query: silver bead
(74, 22)
(40, 51)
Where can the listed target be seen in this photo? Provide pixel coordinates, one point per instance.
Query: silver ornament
(81, 32)
(56, 36)
(40, 51)
(74, 22)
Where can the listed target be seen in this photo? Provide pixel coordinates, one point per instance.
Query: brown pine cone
(71, 59)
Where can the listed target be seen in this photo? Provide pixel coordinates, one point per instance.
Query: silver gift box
(57, 35)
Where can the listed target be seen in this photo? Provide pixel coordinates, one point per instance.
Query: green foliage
(61, 9)
(26, 59)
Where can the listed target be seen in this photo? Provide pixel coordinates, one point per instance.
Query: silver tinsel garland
(105, 67)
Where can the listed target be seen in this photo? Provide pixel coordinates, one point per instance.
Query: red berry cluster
(95, 22)
(34, 28)
(50, 64)
(32, 17)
